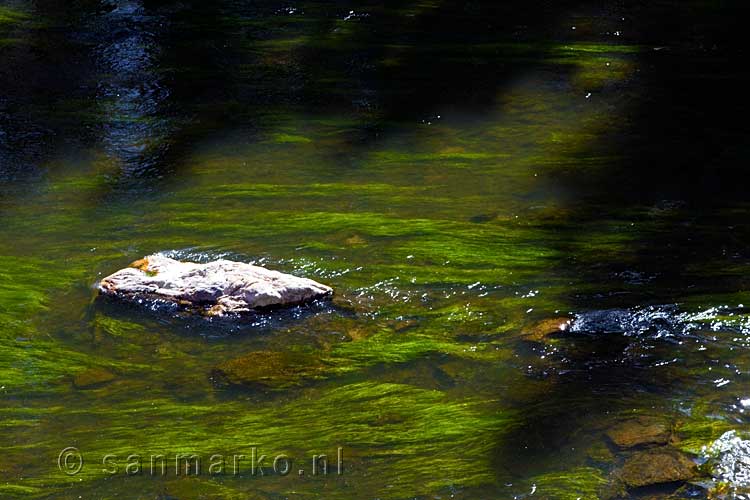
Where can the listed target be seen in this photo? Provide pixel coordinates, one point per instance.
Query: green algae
(584, 483)
(268, 369)
(291, 139)
(451, 224)
(328, 190)
(393, 349)
(25, 291)
(10, 42)
(436, 428)
(697, 433)
(44, 366)
(576, 49)
(11, 16)
(449, 156)
(17, 489)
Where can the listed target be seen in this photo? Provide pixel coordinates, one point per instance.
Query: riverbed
(457, 172)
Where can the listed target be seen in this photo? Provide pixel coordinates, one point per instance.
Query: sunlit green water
(454, 190)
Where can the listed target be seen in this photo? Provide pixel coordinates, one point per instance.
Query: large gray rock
(216, 288)
(729, 461)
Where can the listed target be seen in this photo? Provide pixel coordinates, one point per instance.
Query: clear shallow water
(457, 174)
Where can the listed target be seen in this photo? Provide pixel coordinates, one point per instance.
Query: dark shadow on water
(183, 321)
(678, 187)
(145, 80)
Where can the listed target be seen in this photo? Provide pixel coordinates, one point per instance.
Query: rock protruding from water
(729, 459)
(216, 288)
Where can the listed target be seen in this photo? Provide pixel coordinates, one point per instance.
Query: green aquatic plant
(291, 139)
(9, 16)
(698, 432)
(584, 483)
(445, 224)
(385, 427)
(387, 348)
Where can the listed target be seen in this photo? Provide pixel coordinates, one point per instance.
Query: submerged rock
(655, 321)
(604, 321)
(659, 466)
(729, 459)
(93, 377)
(640, 431)
(216, 288)
(600, 454)
(546, 328)
(268, 369)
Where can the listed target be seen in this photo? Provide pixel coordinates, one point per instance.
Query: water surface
(457, 172)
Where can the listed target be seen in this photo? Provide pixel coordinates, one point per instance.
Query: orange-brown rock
(659, 466)
(268, 369)
(545, 328)
(640, 431)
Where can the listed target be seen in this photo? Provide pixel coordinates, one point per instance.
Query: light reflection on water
(131, 90)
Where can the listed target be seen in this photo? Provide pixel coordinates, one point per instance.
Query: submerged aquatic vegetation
(440, 186)
(289, 138)
(386, 426)
(584, 483)
(11, 16)
(700, 431)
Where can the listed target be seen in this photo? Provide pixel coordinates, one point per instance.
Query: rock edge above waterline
(217, 288)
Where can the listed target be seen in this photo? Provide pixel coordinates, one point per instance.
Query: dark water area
(463, 174)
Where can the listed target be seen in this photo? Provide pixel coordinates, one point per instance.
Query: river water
(457, 172)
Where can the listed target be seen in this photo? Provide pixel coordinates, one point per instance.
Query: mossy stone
(640, 431)
(268, 369)
(92, 378)
(659, 466)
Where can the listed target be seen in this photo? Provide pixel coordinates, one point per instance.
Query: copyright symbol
(70, 461)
